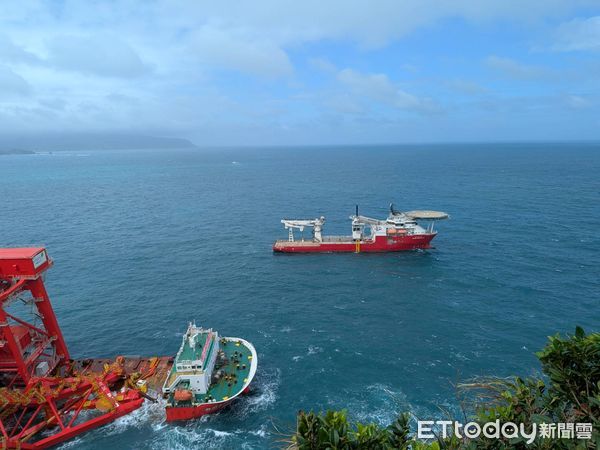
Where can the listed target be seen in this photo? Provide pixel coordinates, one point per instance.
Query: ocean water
(145, 241)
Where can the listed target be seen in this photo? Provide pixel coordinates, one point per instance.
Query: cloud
(343, 103)
(172, 66)
(467, 87)
(235, 50)
(322, 64)
(9, 52)
(102, 55)
(368, 24)
(514, 69)
(578, 35)
(577, 102)
(379, 88)
(12, 85)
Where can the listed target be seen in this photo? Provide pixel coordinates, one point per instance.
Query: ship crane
(44, 398)
(315, 224)
(360, 222)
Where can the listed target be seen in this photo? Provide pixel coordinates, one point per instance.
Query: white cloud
(159, 65)
(343, 103)
(578, 35)
(322, 64)
(100, 54)
(12, 85)
(514, 68)
(577, 102)
(467, 87)
(379, 88)
(369, 24)
(232, 49)
(9, 52)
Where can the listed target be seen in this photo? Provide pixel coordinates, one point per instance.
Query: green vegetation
(570, 394)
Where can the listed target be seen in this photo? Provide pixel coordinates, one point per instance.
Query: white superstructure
(195, 360)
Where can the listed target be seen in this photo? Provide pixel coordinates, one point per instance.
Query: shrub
(572, 368)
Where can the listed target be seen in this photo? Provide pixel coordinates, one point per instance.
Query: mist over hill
(89, 141)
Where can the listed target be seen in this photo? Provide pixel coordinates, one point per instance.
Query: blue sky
(312, 72)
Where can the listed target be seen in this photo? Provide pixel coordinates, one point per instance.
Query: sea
(145, 241)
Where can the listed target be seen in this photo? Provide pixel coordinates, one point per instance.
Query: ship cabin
(194, 362)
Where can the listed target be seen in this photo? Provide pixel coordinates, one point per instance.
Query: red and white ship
(399, 232)
(208, 374)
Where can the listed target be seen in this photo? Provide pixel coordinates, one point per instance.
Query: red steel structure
(42, 391)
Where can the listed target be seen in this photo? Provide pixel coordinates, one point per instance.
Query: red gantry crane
(42, 391)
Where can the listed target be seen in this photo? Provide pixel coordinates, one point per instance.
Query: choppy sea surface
(145, 241)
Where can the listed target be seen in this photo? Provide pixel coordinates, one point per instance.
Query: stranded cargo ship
(399, 232)
(208, 374)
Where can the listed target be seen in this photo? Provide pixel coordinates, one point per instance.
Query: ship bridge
(195, 360)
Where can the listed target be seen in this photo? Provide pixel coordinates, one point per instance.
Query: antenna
(356, 210)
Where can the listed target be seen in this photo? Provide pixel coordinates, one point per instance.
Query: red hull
(379, 245)
(175, 413)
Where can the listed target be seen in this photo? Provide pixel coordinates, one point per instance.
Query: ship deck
(326, 240)
(153, 370)
(195, 353)
(235, 375)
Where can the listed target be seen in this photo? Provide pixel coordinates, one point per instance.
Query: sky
(281, 72)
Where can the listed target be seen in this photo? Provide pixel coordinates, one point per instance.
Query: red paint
(21, 270)
(45, 411)
(397, 243)
(23, 262)
(175, 413)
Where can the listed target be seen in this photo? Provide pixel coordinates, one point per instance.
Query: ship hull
(177, 413)
(381, 244)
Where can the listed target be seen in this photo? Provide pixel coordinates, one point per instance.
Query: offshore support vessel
(208, 374)
(399, 232)
(47, 398)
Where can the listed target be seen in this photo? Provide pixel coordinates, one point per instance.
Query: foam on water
(145, 241)
(263, 393)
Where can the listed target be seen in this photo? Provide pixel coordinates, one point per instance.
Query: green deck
(195, 353)
(237, 354)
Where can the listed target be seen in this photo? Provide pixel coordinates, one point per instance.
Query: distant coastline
(15, 151)
(23, 144)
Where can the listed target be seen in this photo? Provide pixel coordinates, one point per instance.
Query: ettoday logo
(430, 429)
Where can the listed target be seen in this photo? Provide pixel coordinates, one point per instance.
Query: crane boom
(366, 220)
(300, 224)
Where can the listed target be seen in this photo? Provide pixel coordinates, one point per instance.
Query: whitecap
(313, 350)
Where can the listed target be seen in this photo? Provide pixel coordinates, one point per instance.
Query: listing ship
(208, 374)
(47, 398)
(399, 232)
